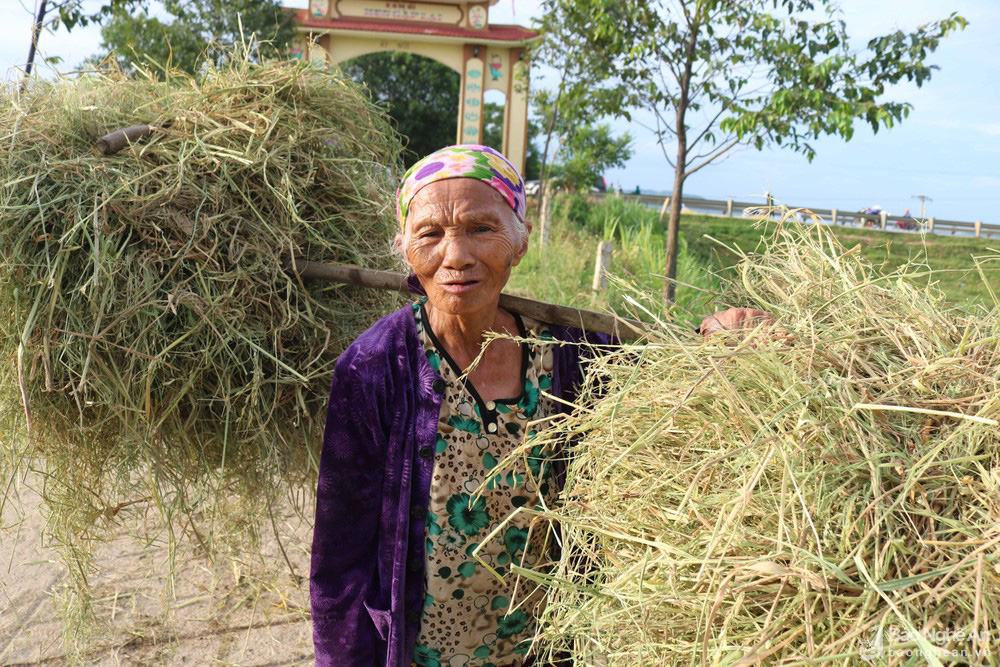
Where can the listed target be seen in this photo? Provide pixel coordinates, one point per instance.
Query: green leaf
(467, 424)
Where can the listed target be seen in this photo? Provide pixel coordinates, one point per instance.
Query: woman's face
(463, 242)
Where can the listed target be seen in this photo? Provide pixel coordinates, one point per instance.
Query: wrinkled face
(462, 242)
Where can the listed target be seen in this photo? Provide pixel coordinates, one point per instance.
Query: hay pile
(148, 327)
(832, 493)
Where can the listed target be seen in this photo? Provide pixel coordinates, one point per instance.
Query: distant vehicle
(907, 223)
(871, 211)
(600, 185)
(531, 188)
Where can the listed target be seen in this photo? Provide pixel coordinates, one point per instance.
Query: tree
(198, 29)
(493, 125)
(68, 13)
(577, 92)
(533, 156)
(586, 153)
(717, 74)
(420, 94)
(493, 114)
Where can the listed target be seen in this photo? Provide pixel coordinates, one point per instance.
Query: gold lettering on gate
(388, 10)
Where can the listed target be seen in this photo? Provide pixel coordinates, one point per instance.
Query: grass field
(563, 271)
(950, 258)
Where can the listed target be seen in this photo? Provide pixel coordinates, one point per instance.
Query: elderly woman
(412, 437)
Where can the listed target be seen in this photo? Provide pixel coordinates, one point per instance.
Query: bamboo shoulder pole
(114, 142)
(550, 313)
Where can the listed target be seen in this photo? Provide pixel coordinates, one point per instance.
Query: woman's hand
(735, 319)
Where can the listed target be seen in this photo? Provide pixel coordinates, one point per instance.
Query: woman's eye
(483, 228)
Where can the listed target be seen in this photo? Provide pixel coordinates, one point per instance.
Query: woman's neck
(462, 335)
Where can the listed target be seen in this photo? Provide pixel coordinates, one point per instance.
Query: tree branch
(669, 61)
(711, 158)
(659, 137)
(661, 123)
(708, 126)
(663, 81)
(687, 14)
(57, 7)
(658, 132)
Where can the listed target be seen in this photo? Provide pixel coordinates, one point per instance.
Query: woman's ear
(522, 249)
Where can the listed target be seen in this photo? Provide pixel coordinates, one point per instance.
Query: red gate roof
(492, 33)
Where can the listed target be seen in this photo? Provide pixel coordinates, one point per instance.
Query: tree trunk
(674, 225)
(36, 31)
(543, 172)
(543, 175)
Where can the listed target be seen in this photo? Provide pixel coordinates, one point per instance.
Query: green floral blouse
(470, 617)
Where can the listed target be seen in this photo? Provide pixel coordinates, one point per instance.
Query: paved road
(223, 615)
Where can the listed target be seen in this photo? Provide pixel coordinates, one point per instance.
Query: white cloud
(985, 182)
(516, 11)
(989, 129)
(992, 129)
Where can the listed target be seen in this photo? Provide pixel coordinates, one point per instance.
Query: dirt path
(222, 616)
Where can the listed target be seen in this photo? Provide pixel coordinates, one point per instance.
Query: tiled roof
(493, 33)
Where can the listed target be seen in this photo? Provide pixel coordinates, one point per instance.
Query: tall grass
(562, 271)
(964, 269)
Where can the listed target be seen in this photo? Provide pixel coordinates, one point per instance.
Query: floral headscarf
(462, 161)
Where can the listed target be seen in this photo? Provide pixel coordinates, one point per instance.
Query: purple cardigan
(367, 576)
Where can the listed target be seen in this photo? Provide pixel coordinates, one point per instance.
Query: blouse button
(425, 452)
(438, 386)
(418, 512)
(492, 428)
(491, 406)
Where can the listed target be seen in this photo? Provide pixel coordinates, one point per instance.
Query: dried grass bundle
(148, 325)
(824, 492)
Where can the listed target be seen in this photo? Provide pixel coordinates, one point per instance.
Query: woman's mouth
(460, 286)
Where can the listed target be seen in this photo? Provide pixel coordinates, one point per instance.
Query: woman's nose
(458, 252)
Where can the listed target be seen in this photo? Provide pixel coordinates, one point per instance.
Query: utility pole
(923, 203)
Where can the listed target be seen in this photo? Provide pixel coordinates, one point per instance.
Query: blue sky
(948, 148)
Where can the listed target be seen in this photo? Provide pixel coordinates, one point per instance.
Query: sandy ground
(220, 616)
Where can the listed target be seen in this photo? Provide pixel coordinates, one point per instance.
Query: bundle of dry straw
(827, 490)
(150, 330)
